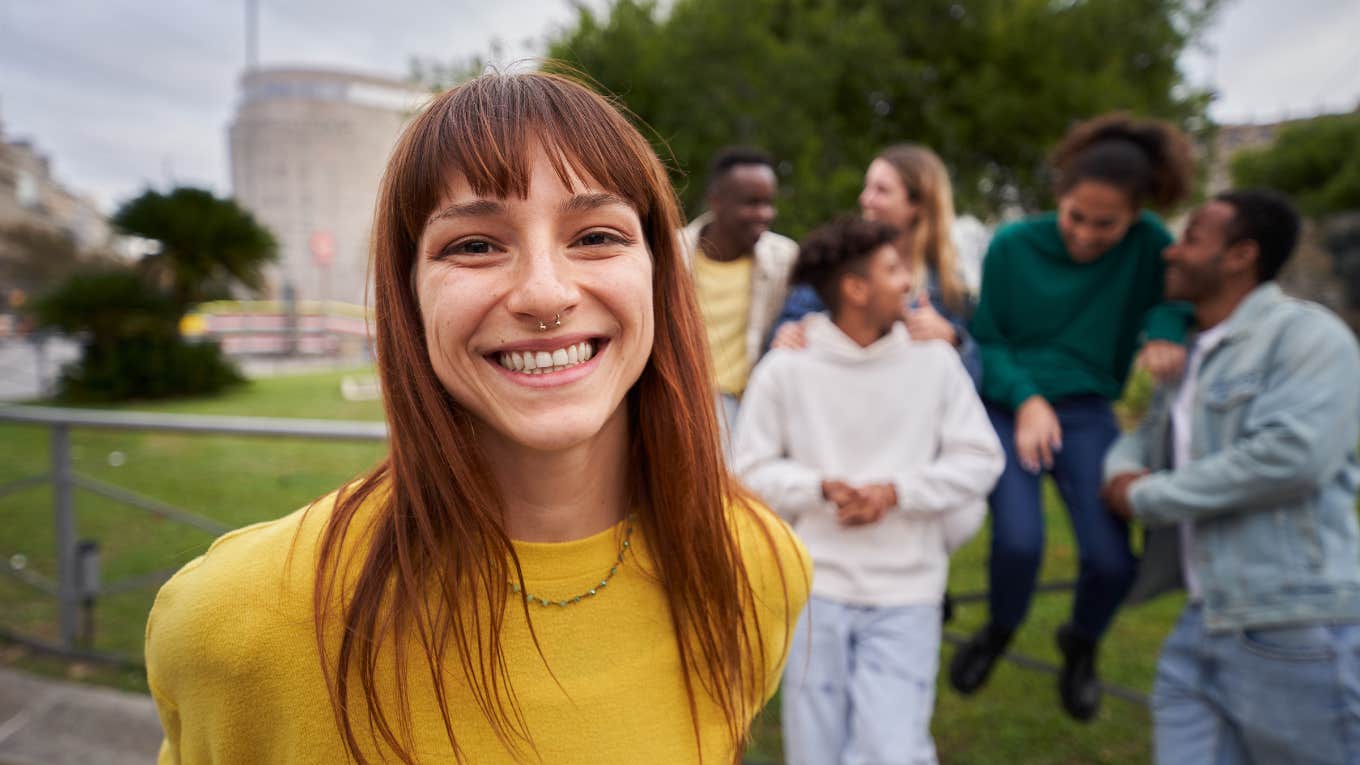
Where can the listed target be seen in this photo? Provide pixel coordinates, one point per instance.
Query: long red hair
(431, 574)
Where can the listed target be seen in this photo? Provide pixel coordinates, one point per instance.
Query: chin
(556, 431)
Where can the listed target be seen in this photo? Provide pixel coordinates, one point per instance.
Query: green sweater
(1051, 326)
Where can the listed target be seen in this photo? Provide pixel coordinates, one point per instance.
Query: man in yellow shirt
(741, 268)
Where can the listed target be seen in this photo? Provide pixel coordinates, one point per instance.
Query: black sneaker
(1077, 683)
(973, 661)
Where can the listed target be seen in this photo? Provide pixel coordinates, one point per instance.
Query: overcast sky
(122, 94)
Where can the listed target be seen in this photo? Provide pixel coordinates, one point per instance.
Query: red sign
(322, 245)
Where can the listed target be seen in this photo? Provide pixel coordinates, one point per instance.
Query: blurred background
(186, 191)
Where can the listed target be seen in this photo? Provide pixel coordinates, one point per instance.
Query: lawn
(1015, 719)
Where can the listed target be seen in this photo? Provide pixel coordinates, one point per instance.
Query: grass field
(1016, 719)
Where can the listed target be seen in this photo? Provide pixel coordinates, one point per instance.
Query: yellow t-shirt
(724, 290)
(233, 665)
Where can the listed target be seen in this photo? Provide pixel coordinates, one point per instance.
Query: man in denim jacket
(1245, 476)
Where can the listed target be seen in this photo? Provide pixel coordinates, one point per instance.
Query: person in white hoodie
(880, 454)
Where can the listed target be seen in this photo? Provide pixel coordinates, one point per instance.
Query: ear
(854, 290)
(1241, 257)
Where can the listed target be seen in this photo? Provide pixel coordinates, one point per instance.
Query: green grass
(233, 480)
(1015, 719)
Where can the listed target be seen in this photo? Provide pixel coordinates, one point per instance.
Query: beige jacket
(774, 256)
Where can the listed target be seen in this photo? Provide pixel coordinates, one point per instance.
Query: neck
(719, 245)
(1215, 309)
(857, 326)
(561, 495)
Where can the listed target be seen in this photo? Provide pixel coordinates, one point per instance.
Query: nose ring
(557, 322)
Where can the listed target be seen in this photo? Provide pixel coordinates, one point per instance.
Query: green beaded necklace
(593, 591)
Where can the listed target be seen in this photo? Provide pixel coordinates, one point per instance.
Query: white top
(897, 411)
(1182, 415)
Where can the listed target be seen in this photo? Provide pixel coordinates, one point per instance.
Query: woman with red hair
(552, 564)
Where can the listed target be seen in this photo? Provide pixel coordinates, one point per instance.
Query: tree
(207, 244)
(826, 84)
(131, 346)
(1317, 163)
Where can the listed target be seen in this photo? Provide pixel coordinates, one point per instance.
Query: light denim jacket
(1271, 490)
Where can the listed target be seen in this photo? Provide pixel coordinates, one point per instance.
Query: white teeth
(543, 362)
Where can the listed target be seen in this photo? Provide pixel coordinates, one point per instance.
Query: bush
(132, 348)
(147, 366)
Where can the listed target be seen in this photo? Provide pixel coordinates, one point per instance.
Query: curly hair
(1151, 161)
(831, 251)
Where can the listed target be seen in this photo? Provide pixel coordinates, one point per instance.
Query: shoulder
(1029, 229)
(777, 563)
(250, 592)
(1307, 329)
(1149, 232)
(776, 251)
(776, 364)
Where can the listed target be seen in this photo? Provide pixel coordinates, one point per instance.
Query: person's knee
(1017, 551)
(1115, 568)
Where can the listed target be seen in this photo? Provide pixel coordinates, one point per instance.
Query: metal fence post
(68, 598)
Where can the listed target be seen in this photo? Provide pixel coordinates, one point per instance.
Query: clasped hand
(860, 505)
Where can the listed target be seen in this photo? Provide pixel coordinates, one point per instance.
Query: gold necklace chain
(593, 591)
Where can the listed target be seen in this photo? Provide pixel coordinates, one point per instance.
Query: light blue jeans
(1278, 695)
(859, 686)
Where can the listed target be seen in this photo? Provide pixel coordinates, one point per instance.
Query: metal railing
(77, 580)
(71, 589)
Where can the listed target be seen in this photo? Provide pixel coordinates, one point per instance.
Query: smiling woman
(552, 564)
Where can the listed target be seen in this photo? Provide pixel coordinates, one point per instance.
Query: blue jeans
(859, 686)
(1286, 695)
(1106, 565)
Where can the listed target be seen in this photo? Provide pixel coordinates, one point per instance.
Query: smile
(546, 362)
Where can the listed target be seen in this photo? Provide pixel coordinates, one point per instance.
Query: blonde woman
(907, 187)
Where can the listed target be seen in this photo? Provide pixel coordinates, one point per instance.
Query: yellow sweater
(233, 665)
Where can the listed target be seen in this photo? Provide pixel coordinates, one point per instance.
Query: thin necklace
(593, 591)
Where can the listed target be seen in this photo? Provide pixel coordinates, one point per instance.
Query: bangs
(487, 129)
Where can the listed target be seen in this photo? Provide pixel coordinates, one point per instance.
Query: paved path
(52, 722)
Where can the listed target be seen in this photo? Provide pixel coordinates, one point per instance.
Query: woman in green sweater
(1067, 297)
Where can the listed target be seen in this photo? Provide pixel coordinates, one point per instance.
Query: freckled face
(1092, 218)
(491, 271)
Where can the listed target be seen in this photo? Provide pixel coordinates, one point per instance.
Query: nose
(544, 285)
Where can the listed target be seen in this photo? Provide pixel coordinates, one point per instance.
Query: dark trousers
(1107, 565)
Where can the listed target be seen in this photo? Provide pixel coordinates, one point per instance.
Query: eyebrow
(482, 208)
(593, 201)
(479, 208)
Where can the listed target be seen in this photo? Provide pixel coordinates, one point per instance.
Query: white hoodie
(897, 411)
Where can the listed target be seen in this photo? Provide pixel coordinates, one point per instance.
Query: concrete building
(308, 148)
(30, 195)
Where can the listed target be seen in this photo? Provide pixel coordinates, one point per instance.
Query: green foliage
(148, 366)
(132, 348)
(207, 244)
(1316, 162)
(825, 84)
(107, 304)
